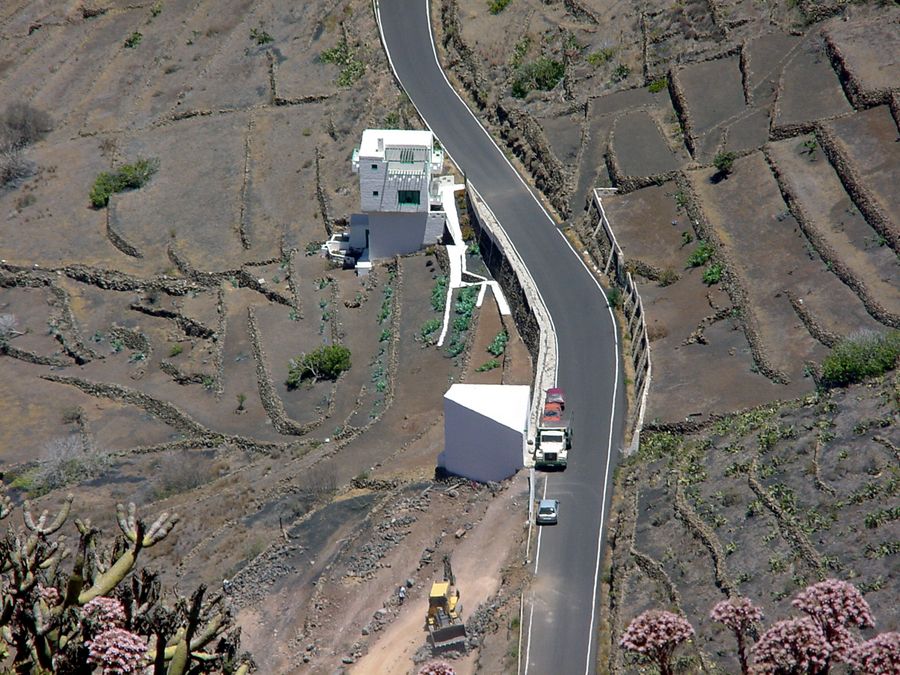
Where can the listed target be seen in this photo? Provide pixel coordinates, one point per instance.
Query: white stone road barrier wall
(546, 366)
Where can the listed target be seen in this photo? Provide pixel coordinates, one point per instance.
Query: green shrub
(456, 347)
(260, 36)
(386, 305)
(701, 255)
(133, 40)
(882, 516)
(24, 481)
(724, 163)
(544, 73)
(464, 307)
(498, 344)
(601, 56)
(621, 72)
(497, 6)
(344, 56)
(668, 277)
(324, 363)
(439, 294)
(658, 85)
(713, 274)
(488, 365)
(614, 296)
(126, 177)
(429, 328)
(860, 356)
(519, 51)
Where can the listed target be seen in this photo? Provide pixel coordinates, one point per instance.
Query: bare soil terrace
(158, 330)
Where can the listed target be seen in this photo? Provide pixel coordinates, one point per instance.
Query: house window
(408, 196)
(374, 193)
(374, 167)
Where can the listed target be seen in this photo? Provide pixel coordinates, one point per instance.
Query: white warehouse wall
(478, 446)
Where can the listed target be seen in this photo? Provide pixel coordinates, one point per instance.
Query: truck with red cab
(553, 439)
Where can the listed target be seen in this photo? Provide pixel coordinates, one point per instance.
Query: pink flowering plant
(103, 613)
(436, 668)
(836, 606)
(878, 656)
(654, 635)
(793, 647)
(740, 615)
(117, 651)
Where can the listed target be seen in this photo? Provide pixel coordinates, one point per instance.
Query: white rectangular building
(398, 193)
(485, 427)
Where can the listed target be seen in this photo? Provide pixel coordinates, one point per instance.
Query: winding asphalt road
(560, 617)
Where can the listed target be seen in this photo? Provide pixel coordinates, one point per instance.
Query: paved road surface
(560, 620)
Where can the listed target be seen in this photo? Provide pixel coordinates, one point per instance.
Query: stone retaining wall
(826, 252)
(856, 186)
(525, 137)
(465, 65)
(271, 402)
(528, 310)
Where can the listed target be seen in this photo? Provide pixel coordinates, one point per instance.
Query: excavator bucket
(448, 638)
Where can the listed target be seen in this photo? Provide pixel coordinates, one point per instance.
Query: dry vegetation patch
(160, 323)
(763, 502)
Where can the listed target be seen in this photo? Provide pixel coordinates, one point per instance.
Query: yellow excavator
(444, 621)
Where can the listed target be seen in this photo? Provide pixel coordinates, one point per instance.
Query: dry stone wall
(528, 310)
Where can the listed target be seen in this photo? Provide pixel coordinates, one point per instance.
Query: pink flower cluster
(878, 656)
(50, 595)
(655, 633)
(105, 613)
(738, 613)
(798, 644)
(117, 651)
(835, 603)
(437, 668)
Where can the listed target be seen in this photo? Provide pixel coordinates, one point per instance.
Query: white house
(398, 193)
(485, 430)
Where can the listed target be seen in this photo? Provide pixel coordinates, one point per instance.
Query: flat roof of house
(368, 147)
(507, 404)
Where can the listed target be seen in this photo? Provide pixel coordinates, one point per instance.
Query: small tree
(654, 635)
(794, 647)
(126, 177)
(325, 363)
(739, 614)
(835, 606)
(724, 163)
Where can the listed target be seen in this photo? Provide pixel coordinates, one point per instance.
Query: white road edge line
(612, 423)
(537, 559)
(593, 278)
(528, 649)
